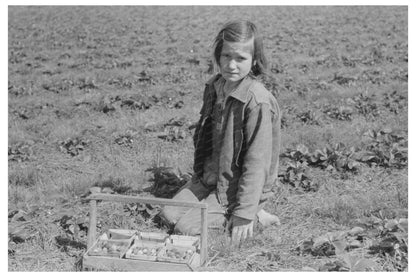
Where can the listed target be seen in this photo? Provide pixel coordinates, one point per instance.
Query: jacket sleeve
(201, 114)
(256, 160)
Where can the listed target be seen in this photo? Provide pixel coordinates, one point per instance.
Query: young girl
(236, 141)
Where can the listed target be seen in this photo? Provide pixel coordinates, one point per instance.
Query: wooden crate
(123, 264)
(115, 264)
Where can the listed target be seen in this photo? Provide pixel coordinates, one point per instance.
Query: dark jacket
(250, 145)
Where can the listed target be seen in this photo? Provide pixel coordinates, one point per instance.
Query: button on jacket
(249, 154)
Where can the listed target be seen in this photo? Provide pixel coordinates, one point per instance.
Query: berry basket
(176, 254)
(187, 241)
(109, 247)
(153, 236)
(121, 234)
(144, 250)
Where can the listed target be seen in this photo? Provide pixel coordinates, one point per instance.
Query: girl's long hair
(242, 31)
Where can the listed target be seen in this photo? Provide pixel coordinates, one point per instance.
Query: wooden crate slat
(117, 264)
(145, 200)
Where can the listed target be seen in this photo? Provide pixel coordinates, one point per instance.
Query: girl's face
(236, 60)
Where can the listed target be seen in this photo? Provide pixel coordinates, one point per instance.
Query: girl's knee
(185, 228)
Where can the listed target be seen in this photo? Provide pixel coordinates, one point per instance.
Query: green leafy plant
(343, 79)
(125, 139)
(366, 105)
(19, 90)
(121, 82)
(383, 237)
(73, 146)
(20, 152)
(309, 117)
(350, 263)
(394, 102)
(338, 244)
(166, 182)
(135, 104)
(297, 175)
(59, 86)
(343, 113)
(391, 241)
(386, 148)
(331, 157)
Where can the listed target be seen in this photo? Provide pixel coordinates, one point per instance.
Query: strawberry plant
(16, 57)
(20, 152)
(343, 80)
(366, 105)
(59, 86)
(126, 139)
(147, 211)
(320, 246)
(331, 157)
(20, 227)
(86, 84)
(394, 102)
(348, 61)
(166, 101)
(301, 153)
(309, 117)
(73, 146)
(166, 181)
(135, 104)
(19, 90)
(338, 157)
(374, 76)
(106, 104)
(343, 113)
(75, 226)
(121, 82)
(298, 177)
(174, 130)
(391, 242)
(339, 244)
(376, 236)
(386, 148)
(350, 263)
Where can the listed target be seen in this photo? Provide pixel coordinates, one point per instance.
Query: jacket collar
(240, 93)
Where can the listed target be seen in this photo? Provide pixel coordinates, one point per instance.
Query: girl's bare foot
(267, 219)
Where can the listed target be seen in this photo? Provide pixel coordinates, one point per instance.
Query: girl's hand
(240, 229)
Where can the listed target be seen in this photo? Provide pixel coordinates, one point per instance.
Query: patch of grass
(344, 201)
(26, 177)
